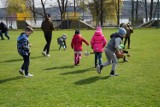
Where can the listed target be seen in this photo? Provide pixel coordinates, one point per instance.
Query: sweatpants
(112, 59)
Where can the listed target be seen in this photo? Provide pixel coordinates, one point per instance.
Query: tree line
(101, 10)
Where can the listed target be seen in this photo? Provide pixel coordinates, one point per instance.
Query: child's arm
(85, 41)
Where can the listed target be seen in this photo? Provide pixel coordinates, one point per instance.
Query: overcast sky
(38, 3)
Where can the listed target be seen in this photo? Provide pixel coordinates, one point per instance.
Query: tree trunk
(43, 7)
(118, 12)
(132, 20)
(137, 11)
(34, 13)
(146, 11)
(151, 10)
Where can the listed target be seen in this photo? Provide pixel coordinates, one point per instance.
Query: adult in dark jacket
(129, 30)
(47, 27)
(3, 29)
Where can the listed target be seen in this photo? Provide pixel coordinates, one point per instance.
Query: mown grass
(58, 83)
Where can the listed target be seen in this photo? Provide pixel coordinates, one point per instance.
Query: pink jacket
(76, 43)
(98, 42)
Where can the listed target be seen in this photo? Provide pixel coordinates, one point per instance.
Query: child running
(98, 42)
(23, 49)
(112, 47)
(76, 44)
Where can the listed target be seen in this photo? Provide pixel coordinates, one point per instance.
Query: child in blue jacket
(23, 49)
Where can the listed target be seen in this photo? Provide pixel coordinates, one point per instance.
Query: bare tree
(146, 10)
(62, 7)
(132, 20)
(151, 10)
(137, 7)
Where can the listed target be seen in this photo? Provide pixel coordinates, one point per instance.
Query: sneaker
(125, 60)
(113, 75)
(29, 75)
(48, 55)
(99, 68)
(44, 53)
(21, 71)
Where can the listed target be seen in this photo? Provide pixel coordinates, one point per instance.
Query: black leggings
(127, 38)
(48, 38)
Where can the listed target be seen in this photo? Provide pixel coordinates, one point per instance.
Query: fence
(13, 23)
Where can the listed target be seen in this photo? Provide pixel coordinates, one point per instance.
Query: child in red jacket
(98, 42)
(76, 44)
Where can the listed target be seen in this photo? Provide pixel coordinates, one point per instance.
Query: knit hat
(77, 32)
(122, 31)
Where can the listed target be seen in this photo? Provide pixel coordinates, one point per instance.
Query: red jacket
(98, 41)
(76, 43)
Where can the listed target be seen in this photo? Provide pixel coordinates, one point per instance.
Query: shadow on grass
(17, 60)
(52, 68)
(54, 50)
(10, 79)
(77, 71)
(90, 80)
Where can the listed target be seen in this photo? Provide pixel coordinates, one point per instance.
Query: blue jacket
(23, 44)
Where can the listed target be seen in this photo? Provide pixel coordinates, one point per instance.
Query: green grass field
(58, 83)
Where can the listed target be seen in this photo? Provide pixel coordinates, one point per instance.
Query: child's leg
(79, 57)
(100, 58)
(26, 63)
(6, 34)
(59, 47)
(95, 59)
(75, 58)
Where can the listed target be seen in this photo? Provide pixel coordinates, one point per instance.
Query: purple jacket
(98, 42)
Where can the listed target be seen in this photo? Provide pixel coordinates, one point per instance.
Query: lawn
(58, 83)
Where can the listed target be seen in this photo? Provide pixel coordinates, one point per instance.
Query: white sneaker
(29, 75)
(44, 53)
(113, 75)
(48, 55)
(21, 71)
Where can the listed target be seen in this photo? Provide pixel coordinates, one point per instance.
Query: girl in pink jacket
(98, 42)
(76, 44)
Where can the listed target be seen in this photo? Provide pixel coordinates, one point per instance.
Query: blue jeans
(98, 56)
(25, 65)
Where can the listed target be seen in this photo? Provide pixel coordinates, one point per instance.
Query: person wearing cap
(112, 47)
(76, 44)
(23, 49)
(47, 27)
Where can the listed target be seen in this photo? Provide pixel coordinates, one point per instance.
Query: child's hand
(30, 45)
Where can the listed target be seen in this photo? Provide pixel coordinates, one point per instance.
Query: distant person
(23, 49)
(47, 27)
(98, 42)
(129, 29)
(62, 41)
(3, 29)
(112, 47)
(76, 44)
